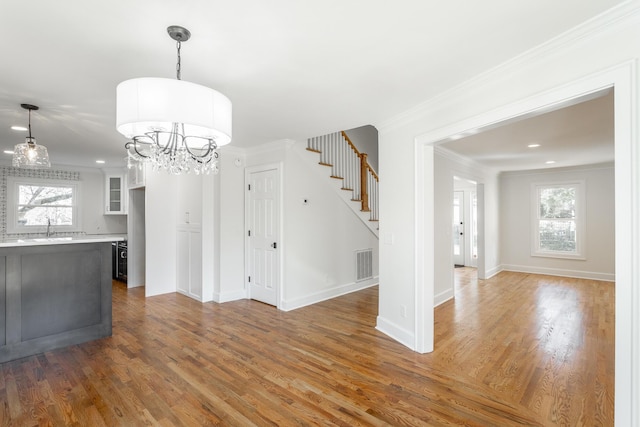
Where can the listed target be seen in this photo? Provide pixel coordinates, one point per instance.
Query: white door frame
(247, 214)
(622, 79)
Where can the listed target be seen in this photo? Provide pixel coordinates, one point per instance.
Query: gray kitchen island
(54, 292)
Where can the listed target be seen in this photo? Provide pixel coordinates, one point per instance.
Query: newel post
(364, 193)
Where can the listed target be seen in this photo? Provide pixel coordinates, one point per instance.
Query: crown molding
(475, 167)
(543, 171)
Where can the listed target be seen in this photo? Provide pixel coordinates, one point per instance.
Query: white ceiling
(293, 69)
(579, 134)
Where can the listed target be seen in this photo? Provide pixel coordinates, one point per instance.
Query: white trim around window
(14, 226)
(577, 222)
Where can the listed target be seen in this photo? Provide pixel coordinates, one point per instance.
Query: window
(558, 220)
(33, 204)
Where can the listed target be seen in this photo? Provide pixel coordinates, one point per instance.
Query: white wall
(161, 212)
(525, 77)
(94, 221)
(515, 188)
(595, 54)
(319, 238)
(231, 229)
(179, 201)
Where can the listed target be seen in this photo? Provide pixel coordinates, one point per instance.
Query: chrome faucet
(48, 227)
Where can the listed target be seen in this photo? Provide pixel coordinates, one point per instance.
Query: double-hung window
(37, 205)
(558, 220)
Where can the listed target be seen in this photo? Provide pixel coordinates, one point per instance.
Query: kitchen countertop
(54, 240)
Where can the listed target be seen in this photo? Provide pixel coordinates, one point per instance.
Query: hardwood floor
(517, 349)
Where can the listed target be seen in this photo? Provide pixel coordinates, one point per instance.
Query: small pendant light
(28, 154)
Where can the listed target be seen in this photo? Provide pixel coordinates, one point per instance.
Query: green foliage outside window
(557, 219)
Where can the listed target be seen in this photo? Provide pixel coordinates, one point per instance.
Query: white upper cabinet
(115, 194)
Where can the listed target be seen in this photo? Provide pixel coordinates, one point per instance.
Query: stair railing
(351, 166)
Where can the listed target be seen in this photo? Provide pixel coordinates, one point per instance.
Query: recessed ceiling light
(550, 162)
(19, 128)
(8, 151)
(533, 145)
(100, 161)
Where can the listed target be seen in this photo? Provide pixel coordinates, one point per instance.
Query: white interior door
(458, 227)
(263, 259)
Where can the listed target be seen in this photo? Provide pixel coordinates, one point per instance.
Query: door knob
(273, 245)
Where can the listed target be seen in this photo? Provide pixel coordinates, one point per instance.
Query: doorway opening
(136, 239)
(626, 213)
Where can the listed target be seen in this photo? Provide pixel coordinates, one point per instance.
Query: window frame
(580, 219)
(12, 225)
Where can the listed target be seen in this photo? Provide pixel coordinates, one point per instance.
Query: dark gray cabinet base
(53, 296)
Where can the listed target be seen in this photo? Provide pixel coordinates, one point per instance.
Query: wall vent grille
(364, 264)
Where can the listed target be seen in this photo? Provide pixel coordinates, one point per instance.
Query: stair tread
(313, 150)
(336, 177)
(325, 164)
(347, 189)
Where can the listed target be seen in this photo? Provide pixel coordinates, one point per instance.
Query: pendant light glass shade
(29, 154)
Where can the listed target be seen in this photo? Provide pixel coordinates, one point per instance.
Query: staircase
(350, 168)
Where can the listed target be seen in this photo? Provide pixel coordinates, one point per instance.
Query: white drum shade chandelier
(173, 124)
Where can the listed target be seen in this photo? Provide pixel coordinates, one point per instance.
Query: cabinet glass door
(115, 196)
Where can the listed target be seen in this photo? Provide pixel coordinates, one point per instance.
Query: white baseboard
(229, 296)
(592, 275)
(493, 271)
(403, 336)
(131, 286)
(442, 297)
(327, 294)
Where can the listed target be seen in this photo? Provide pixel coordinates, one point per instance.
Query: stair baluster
(347, 163)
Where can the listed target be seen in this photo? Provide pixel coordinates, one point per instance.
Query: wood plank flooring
(517, 349)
